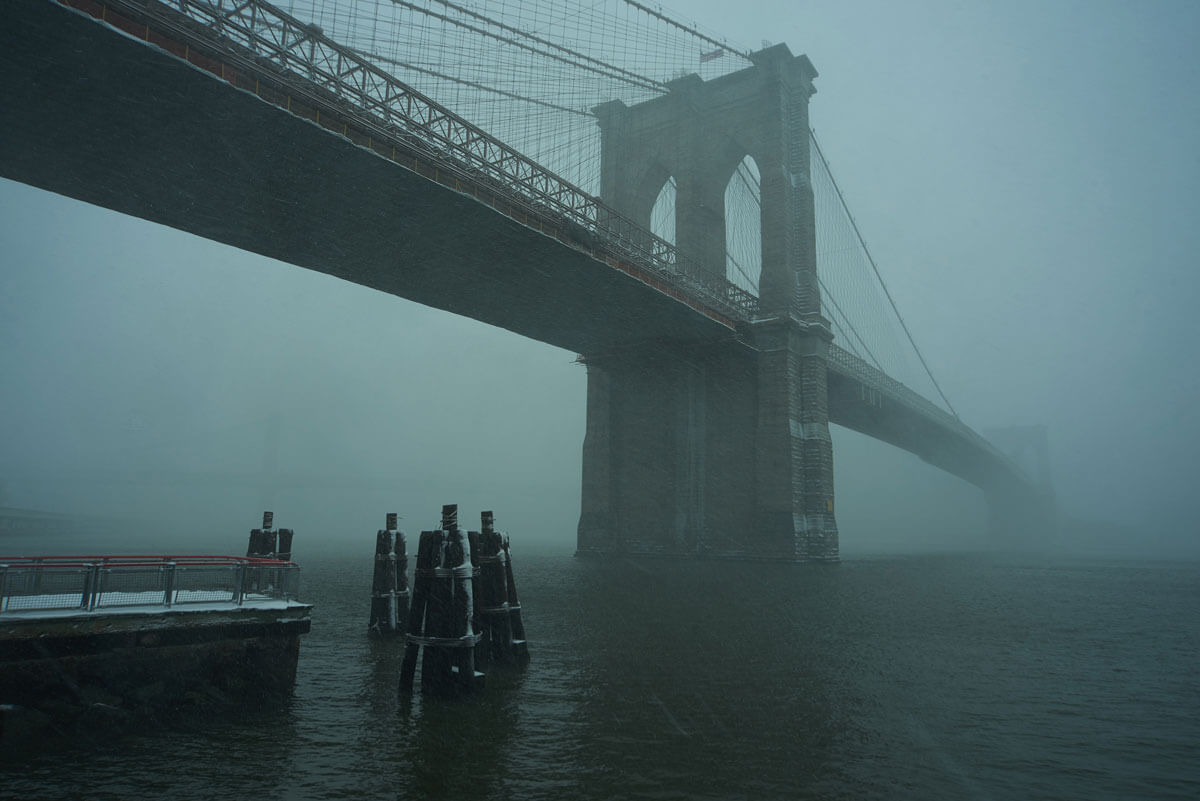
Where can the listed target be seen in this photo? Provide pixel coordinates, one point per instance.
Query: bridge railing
(89, 583)
(260, 38)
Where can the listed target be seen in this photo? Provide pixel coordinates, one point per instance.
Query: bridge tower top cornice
(697, 133)
(777, 60)
(772, 63)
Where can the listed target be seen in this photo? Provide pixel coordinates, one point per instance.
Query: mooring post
(519, 646)
(389, 586)
(399, 574)
(462, 648)
(482, 658)
(262, 540)
(262, 546)
(382, 609)
(283, 551)
(495, 626)
(435, 663)
(422, 577)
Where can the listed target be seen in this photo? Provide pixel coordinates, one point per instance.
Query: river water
(923, 677)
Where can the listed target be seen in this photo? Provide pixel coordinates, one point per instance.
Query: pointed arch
(743, 225)
(662, 213)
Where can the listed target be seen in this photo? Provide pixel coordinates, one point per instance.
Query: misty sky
(1024, 172)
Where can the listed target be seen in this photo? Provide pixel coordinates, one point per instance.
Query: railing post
(3, 586)
(239, 582)
(91, 587)
(102, 570)
(168, 583)
(37, 576)
(290, 581)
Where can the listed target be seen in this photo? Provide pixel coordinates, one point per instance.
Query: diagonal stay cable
(753, 192)
(826, 294)
(473, 84)
(875, 269)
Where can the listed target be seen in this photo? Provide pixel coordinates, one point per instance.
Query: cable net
(528, 72)
(854, 297)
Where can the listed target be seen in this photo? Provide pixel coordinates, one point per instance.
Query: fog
(1024, 174)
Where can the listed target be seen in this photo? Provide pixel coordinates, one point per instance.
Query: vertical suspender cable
(875, 268)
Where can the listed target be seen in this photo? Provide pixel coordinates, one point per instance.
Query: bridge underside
(1019, 509)
(100, 117)
(855, 406)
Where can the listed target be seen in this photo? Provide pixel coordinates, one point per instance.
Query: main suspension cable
(875, 268)
(642, 83)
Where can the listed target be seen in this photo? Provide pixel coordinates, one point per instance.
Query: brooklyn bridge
(623, 185)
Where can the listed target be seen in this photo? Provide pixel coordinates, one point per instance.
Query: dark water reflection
(925, 677)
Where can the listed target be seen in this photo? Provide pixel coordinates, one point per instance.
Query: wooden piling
(462, 656)
(381, 591)
(482, 653)
(389, 585)
(262, 545)
(416, 613)
(494, 626)
(262, 540)
(441, 626)
(400, 591)
(283, 550)
(435, 662)
(520, 648)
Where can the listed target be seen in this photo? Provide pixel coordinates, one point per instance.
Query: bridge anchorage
(717, 448)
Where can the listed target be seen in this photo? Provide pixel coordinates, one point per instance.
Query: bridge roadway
(102, 117)
(105, 119)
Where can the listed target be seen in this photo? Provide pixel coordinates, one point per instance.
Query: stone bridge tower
(717, 448)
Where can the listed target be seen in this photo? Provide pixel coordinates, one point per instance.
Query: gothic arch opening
(743, 226)
(662, 214)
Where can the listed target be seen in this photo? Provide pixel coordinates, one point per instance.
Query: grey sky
(1024, 174)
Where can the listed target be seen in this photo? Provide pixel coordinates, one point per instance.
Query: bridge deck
(106, 119)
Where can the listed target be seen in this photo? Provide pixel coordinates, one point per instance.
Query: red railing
(32, 584)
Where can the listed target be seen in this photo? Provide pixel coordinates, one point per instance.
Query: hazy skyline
(1024, 174)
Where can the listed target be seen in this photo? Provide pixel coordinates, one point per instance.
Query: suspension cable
(641, 83)
(473, 84)
(659, 15)
(512, 29)
(870, 259)
(741, 172)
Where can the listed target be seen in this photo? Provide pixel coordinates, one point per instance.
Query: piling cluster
(389, 587)
(464, 618)
(267, 543)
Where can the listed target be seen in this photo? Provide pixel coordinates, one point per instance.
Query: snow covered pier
(114, 635)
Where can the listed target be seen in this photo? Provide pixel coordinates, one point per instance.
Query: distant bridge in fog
(716, 358)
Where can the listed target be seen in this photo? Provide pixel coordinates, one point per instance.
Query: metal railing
(89, 583)
(259, 39)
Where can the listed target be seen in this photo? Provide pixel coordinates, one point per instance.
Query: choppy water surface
(963, 677)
